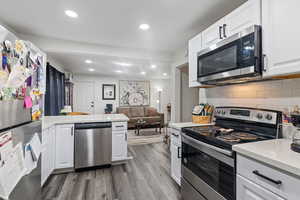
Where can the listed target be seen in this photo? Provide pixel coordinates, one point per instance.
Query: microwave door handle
(220, 32)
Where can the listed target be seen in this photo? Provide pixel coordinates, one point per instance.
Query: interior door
(84, 97)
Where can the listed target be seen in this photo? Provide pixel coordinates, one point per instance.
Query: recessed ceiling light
(153, 66)
(118, 71)
(123, 64)
(165, 74)
(91, 69)
(143, 73)
(88, 61)
(144, 27)
(71, 13)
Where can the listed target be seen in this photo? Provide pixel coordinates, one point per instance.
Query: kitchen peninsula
(59, 140)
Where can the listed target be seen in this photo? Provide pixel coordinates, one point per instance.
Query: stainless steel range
(208, 162)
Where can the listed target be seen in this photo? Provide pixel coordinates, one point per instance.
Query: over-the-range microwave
(235, 59)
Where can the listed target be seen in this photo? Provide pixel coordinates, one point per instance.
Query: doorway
(84, 97)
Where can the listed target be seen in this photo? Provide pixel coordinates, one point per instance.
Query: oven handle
(223, 151)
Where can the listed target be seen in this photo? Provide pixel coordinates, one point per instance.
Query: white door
(119, 145)
(64, 140)
(213, 34)
(243, 17)
(84, 98)
(195, 45)
(281, 31)
(175, 163)
(247, 190)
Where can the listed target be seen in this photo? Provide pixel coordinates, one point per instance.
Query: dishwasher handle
(95, 125)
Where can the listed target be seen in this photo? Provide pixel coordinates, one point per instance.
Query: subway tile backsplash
(278, 95)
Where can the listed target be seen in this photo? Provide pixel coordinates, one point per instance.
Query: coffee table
(143, 125)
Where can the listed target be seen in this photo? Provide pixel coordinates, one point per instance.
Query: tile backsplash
(278, 95)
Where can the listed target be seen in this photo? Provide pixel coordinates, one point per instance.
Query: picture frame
(108, 92)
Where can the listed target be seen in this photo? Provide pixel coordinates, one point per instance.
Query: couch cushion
(150, 112)
(137, 112)
(124, 110)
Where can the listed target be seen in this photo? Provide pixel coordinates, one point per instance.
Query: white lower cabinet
(176, 155)
(48, 153)
(257, 181)
(247, 190)
(119, 141)
(64, 146)
(119, 145)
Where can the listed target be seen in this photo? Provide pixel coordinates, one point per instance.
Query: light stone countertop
(179, 126)
(276, 153)
(49, 121)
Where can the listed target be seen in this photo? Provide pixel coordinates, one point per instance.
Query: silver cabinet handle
(125, 136)
(120, 126)
(265, 62)
(220, 32)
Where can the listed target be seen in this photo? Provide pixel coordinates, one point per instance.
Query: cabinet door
(213, 34)
(281, 30)
(64, 151)
(45, 172)
(243, 17)
(195, 45)
(176, 162)
(247, 190)
(52, 148)
(119, 145)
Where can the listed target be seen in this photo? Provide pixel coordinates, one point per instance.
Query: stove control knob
(259, 116)
(269, 117)
(219, 111)
(223, 112)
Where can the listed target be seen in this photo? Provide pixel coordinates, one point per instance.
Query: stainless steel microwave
(235, 59)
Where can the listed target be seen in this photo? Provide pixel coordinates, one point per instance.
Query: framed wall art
(108, 92)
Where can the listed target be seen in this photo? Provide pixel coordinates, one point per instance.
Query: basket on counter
(198, 119)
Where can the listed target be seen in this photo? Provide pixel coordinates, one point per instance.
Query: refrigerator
(21, 111)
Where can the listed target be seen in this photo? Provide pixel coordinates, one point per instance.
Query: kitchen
(241, 139)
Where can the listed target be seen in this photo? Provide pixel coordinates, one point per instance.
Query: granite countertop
(276, 153)
(49, 121)
(181, 125)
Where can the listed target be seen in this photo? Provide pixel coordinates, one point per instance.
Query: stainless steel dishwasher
(93, 145)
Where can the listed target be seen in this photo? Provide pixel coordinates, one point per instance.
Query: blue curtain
(55, 91)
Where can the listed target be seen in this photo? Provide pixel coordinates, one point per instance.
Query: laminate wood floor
(146, 177)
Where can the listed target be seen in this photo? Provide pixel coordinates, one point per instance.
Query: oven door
(208, 170)
(236, 56)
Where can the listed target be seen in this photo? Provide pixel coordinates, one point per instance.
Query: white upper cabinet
(281, 31)
(243, 17)
(213, 34)
(195, 45)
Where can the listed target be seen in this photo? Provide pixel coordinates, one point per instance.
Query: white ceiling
(106, 65)
(115, 23)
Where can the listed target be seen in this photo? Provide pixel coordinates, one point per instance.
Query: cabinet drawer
(119, 126)
(276, 181)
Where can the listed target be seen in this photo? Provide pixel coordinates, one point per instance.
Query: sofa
(145, 113)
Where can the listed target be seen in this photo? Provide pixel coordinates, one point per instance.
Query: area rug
(147, 136)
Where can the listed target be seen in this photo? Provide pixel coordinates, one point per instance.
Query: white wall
(156, 84)
(281, 95)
